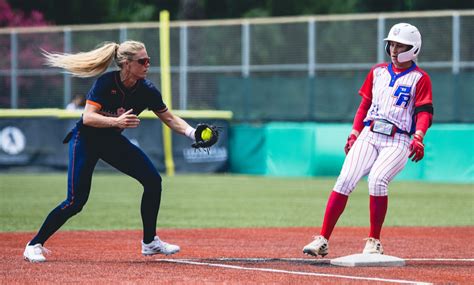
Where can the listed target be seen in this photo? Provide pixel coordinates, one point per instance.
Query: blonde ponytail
(84, 64)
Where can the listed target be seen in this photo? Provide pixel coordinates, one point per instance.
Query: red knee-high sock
(378, 210)
(334, 208)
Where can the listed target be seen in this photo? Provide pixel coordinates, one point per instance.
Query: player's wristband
(418, 137)
(189, 132)
(354, 132)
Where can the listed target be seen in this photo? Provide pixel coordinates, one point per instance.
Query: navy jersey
(113, 99)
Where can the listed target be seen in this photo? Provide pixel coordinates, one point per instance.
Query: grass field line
(272, 270)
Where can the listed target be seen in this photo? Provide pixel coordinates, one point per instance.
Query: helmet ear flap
(416, 51)
(387, 47)
(410, 54)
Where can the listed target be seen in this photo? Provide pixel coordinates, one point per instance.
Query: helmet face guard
(405, 34)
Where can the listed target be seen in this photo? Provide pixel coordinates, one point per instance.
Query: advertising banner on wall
(36, 142)
(30, 142)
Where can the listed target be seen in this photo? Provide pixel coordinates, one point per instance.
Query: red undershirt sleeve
(424, 104)
(423, 121)
(361, 113)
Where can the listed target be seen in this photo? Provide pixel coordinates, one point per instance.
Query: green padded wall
(290, 149)
(315, 149)
(247, 149)
(329, 148)
(449, 155)
(451, 148)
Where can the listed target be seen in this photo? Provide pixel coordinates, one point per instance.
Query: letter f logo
(403, 96)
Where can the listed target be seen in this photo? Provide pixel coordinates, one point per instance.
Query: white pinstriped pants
(380, 156)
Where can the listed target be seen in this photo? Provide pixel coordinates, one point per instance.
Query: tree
(28, 52)
(11, 18)
(98, 11)
(68, 12)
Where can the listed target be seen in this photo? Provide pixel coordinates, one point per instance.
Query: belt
(397, 130)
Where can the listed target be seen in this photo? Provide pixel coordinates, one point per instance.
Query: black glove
(205, 136)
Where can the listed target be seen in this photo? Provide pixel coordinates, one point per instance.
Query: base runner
(395, 112)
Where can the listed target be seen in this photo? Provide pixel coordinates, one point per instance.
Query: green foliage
(98, 11)
(256, 13)
(131, 12)
(226, 201)
(103, 11)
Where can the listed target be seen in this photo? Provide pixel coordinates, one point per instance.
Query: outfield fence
(299, 68)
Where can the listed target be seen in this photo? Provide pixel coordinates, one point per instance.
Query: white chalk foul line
(319, 260)
(183, 261)
(265, 260)
(442, 259)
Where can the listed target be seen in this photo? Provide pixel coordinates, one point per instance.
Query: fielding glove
(205, 136)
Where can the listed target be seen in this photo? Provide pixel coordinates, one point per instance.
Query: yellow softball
(206, 134)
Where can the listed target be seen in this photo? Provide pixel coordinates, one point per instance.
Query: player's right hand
(127, 120)
(350, 142)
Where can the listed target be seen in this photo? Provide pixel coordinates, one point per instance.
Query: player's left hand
(350, 142)
(205, 136)
(417, 148)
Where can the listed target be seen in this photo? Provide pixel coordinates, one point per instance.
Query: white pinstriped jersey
(395, 94)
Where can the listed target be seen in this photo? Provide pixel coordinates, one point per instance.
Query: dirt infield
(243, 256)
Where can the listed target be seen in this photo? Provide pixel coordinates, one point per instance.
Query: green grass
(192, 201)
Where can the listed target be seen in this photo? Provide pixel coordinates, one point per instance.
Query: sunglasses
(143, 61)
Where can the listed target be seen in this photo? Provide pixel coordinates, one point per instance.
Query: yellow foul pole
(166, 87)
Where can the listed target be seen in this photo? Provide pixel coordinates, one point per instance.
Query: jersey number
(403, 96)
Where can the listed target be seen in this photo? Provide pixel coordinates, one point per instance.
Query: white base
(364, 259)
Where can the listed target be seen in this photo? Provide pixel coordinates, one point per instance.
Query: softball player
(113, 104)
(396, 104)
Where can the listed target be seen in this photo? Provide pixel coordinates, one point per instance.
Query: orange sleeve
(94, 103)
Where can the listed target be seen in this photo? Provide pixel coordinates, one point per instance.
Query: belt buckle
(383, 127)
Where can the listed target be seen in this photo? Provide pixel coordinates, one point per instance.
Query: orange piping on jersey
(162, 111)
(94, 103)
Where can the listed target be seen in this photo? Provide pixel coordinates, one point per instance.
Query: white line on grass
(289, 272)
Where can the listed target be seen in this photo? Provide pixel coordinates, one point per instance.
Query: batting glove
(350, 142)
(417, 148)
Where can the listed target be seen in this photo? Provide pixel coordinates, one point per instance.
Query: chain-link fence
(301, 68)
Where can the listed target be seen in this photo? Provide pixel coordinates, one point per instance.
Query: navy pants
(85, 149)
